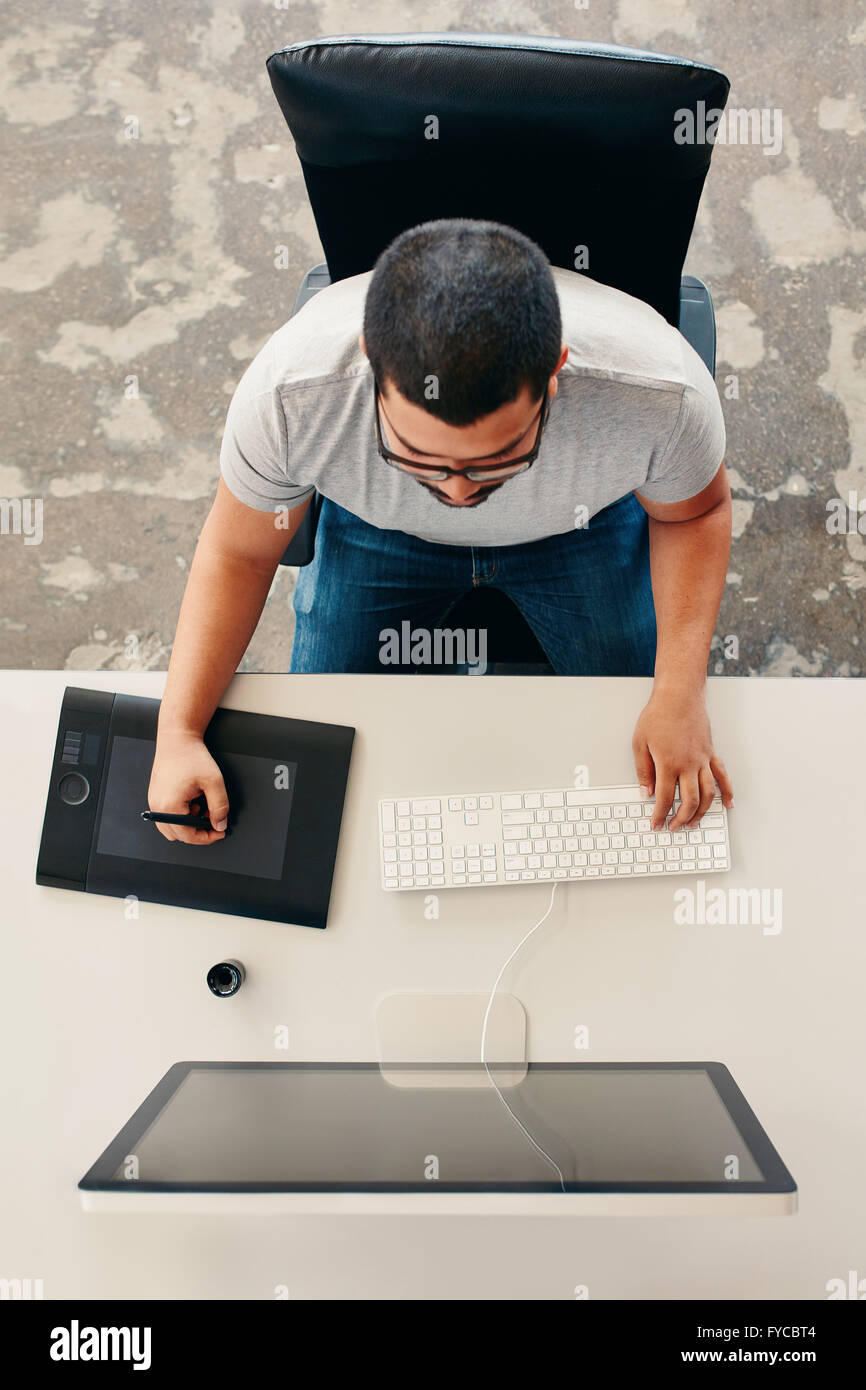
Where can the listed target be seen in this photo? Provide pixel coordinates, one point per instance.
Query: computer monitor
(632, 1137)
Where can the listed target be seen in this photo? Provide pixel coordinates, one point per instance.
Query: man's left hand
(673, 743)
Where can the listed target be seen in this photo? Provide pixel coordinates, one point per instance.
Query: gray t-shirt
(636, 410)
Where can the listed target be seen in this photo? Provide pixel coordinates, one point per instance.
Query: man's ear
(554, 384)
(363, 346)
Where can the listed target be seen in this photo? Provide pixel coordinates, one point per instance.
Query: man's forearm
(223, 603)
(689, 563)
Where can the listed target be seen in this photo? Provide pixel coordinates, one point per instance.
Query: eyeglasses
(436, 473)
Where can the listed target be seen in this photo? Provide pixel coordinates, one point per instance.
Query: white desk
(96, 1007)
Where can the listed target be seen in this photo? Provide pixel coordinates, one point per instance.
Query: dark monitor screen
(319, 1126)
(260, 792)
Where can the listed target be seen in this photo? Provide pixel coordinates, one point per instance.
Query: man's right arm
(230, 576)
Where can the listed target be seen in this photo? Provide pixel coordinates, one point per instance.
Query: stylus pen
(171, 818)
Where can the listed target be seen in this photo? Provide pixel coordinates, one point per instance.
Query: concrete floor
(153, 259)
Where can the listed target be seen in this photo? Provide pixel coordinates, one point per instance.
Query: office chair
(571, 143)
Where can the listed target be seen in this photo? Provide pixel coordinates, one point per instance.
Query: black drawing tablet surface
(286, 782)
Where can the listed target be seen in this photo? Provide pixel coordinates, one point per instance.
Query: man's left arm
(689, 547)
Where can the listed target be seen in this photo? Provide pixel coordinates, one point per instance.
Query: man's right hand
(184, 771)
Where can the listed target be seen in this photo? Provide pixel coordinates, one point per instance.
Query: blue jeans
(585, 594)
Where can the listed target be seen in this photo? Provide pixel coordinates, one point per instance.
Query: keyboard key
(485, 803)
(403, 808)
(474, 851)
(471, 817)
(488, 850)
(489, 865)
(388, 818)
(532, 800)
(552, 799)
(506, 803)
(455, 803)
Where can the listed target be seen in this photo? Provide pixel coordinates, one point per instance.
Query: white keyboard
(523, 837)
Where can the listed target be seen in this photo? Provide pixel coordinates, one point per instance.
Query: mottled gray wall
(154, 258)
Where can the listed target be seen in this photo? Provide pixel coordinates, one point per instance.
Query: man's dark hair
(470, 303)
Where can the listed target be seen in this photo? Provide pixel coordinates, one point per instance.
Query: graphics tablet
(286, 781)
(606, 1138)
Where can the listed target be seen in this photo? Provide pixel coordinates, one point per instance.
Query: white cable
(536, 1146)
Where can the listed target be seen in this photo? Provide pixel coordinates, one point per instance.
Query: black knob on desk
(225, 978)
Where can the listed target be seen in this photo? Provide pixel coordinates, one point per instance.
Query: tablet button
(73, 789)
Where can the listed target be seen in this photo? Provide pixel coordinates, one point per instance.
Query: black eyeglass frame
(510, 468)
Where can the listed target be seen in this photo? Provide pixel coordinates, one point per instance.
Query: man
(469, 415)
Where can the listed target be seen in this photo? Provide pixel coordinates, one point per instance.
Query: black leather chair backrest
(570, 142)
